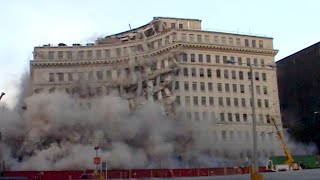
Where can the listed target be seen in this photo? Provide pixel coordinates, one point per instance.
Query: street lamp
(253, 108)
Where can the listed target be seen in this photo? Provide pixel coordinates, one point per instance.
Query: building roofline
(287, 57)
(228, 33)
(190, 19)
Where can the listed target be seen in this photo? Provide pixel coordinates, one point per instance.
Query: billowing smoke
(59, 132)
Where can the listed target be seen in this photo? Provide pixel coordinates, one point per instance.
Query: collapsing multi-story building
(171, 60)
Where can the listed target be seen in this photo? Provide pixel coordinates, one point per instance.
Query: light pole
(2, 94)
(255, 167)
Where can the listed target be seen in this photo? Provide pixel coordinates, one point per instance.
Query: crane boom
(289, 157)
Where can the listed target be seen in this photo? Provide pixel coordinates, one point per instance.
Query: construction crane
(290, 161)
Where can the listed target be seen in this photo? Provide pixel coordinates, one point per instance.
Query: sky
(25, 24)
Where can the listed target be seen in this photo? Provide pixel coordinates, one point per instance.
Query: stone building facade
(171, 60)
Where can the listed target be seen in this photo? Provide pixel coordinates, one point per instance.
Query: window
(203, 101)
(239, 60)
(240, 75)
(118, 52)
(178, 100)
(216, 40)
(199, 38)
(227, 87)
(218, 73)
(223, 134)
(107, 53)
(195, 101)
(230, 117)
(80, 54)
(248, 62)
(90, 76)
(60, 54)
(109, 75)
(211, 101)
(217, 59)
(194, 86)
(98, 54)
(60, 76)
(219, 87)
(193, 72)
(237, 115)
(228, 101)
(233, 74)
(265, 91)
(259, 103)
(206, 38)
(201, 72)
(249, 75)
(243, 102)
(222, 117)
(204, 115)
(180, 26)
(262, 63)
(202, 86)
(196, 116)
(258, 90)
(174, 37)
(69, 54)
(260, 44)
(185, 72)
(236, 102)
(245, 117)
(184, 57)
(200, 58)
(254, 43)
(89, 54)
(241, 88)
(231, 41)
(268, 118)
(261, 118)
(183, 36)
(70, 78)
(173, 25)
(238, 42)
(191, 37)
(224, 58)
(99, 75)
(209, 74)
(226, 74)
(234, 88)
(246, 42)
(193, 58)
(50, 55)
(264, 76)
(176, 86)
(223, 39)
(210, 87)
(256, 75)
(208, 58)
(187, 100)
(266, 103)
(220, 101)
(186, 86)
(51, 77)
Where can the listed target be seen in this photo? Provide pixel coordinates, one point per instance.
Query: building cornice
(176, 46)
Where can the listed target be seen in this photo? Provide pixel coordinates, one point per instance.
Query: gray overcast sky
(24, 24)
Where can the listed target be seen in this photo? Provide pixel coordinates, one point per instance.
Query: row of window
(91, 75)
(231, 41)
(226, 117)
(207, 58)
(111, 53)
(202, 73)
(244, 135)
(222, 101)
(202, 86)
(244, 154)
